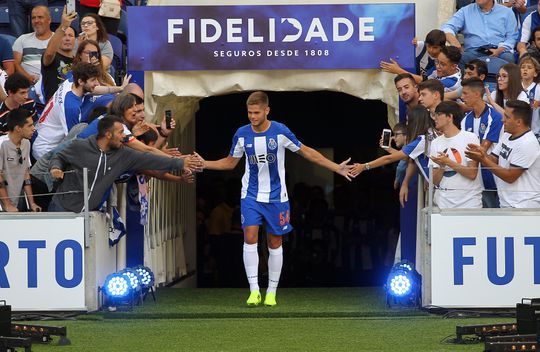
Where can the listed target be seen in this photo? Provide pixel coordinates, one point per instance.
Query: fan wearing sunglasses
(15, 179)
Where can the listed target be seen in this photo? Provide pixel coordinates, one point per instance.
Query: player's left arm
(314, 156)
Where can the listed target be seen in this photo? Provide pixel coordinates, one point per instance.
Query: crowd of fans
(472, 113)
(62, 112)
(472, 108)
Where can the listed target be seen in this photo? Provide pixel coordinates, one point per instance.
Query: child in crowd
(530, 75)
(426, 53)
(447, 69)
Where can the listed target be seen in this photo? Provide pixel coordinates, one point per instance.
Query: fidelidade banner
(265, 37)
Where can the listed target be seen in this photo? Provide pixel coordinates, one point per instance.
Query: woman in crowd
(92, 28)
(508, 88)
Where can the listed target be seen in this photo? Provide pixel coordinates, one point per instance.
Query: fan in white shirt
(460, 185)
(515, 160)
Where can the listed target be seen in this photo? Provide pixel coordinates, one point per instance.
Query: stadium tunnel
(351, 106)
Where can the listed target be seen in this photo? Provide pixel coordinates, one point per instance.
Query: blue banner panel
(256, 37)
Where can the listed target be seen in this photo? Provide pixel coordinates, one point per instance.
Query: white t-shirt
(456, 190)
(31, 49)
(522, 96)
(533, 92)
(523, 152)
(62, 112)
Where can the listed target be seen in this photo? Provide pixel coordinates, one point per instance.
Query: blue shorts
(276, 215)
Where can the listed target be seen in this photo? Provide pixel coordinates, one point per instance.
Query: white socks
(275, 262)
(251, 263)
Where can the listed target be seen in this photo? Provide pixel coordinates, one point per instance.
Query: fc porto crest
(483, 128)
(272, 144)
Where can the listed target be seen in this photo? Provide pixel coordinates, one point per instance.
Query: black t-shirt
(29, 105)
(54, 74)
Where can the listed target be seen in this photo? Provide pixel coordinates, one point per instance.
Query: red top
(93, 3)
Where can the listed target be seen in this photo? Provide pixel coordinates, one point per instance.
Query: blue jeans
(19, 15)
(472, 54)
(55, 206)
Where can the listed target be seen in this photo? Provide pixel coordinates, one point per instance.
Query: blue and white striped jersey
(418, 151)
(264, 178)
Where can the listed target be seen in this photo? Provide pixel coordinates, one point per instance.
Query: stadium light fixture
(403, 286)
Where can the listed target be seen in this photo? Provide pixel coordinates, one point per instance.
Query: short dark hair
(403, 76)
(436, 37)
(258, 98)
(481, 66)
(106, 124)
(521, 110)
(15, 82)
(400, 127)
(17, 117)
(474, 83)
(84, 71)
(433, 85)
(148, 136)
(533, 33)
(451, 108)
(452, 53)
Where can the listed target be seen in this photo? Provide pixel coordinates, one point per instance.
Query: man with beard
(63, 111)
(407, 89)
(57, 58)
(106, 158)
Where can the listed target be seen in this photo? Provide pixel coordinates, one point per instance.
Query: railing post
(86, 210)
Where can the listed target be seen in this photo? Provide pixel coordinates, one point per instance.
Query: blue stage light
(117, 286)
(403, 286)
(134, 279)
(146, 275)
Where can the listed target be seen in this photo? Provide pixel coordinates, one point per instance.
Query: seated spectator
(489, 29)
(528, 28)
(426, 54)
(515, 160)
(431, 94)
(457, 177)
(92, 28)
(96, 154)
(63, 111)
(92, 6)
(6, 56)
(57, 58)
(28, 48)
(475, 68)
(17, 87)
(508, 88)
(448, 71)
(15, 162)
(19, 11)
(530, 75)
(486, 123)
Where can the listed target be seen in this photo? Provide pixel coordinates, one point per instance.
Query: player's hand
(392, 66)
(57, 174)
(201, 159)
(192, 164)
(345, 170)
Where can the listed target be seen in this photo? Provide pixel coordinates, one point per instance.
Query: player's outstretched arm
(344, 169)
(227, 163)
